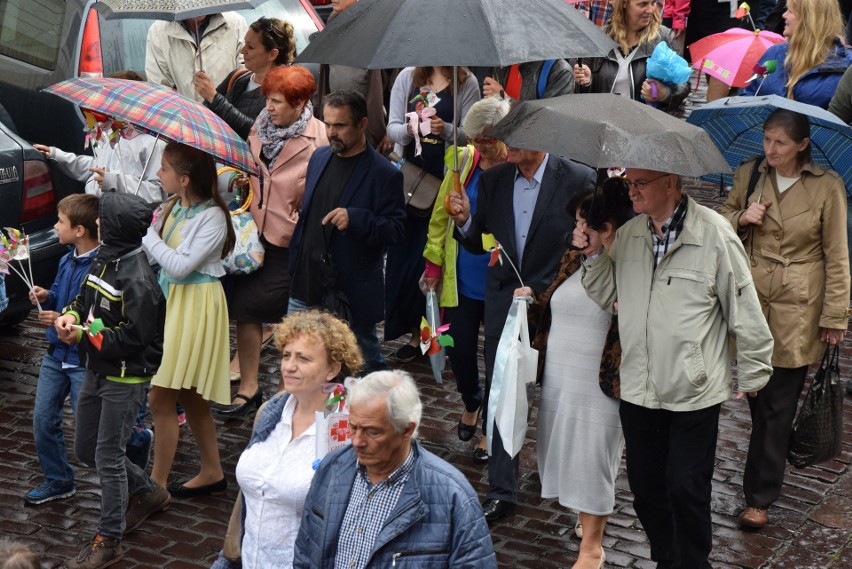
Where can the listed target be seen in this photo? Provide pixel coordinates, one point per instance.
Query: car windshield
(123, 41)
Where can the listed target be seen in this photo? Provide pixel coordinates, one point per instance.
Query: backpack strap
(543, 76)
(234, 76)
(755, 175)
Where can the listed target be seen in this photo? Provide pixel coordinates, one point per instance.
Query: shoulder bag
(818, 430)
(247, 254)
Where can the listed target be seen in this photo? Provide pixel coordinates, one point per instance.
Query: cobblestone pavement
(810, 526)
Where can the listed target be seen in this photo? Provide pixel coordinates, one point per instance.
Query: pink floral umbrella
(730, 56)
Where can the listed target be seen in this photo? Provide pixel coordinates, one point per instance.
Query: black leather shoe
(496, 510)
(480, 455)
(178, 490)
(466, 432)
(251, 405)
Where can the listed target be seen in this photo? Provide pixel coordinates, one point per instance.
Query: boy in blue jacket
(117, 319)
(61, 373)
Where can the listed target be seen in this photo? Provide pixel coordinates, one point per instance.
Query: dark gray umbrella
(604, 130)
(383, 34)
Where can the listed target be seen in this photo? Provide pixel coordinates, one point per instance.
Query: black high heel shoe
(251, 405)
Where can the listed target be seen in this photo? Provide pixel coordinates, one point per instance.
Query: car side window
(31, 30)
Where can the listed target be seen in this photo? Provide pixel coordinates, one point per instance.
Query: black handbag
(818, 430)
(334, 300)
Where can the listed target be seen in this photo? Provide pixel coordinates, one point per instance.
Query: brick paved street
(810, 526)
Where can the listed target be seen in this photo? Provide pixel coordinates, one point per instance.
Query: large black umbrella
(604, 130)
(383, 34)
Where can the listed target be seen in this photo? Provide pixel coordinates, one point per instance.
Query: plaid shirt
(671, 229)
(597, 11)
(368, 510)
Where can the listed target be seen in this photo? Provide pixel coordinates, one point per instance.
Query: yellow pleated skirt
(196, 342)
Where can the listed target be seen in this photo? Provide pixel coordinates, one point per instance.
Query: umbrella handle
(198, 46)
(448, 207)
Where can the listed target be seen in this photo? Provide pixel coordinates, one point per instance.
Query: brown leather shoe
(754, 517)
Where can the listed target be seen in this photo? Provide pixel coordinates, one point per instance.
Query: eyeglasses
(484, 140)
(640, 184)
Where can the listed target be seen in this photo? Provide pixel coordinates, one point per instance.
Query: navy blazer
(546, 238)
(373, 198)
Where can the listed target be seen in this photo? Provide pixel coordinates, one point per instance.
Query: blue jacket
(66, 286)
(374, 201)
(437, 521)
(816, 87)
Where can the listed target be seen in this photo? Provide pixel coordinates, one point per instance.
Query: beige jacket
(171, 54)
(675, 321)
(799, 258)
(278, 193)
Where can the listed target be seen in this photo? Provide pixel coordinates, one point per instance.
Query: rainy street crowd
(441, 192)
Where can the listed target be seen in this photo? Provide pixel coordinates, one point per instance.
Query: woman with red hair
(282, 141)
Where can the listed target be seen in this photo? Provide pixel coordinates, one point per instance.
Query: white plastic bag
(514, 367)
(433, 317)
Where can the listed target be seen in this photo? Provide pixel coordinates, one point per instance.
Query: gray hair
(400, 393)
(484, 114)
(16, 555)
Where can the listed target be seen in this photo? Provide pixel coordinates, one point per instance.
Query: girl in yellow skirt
(190, 235)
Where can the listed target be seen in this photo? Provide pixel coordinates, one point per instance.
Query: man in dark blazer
(523, 203)
(352, 210)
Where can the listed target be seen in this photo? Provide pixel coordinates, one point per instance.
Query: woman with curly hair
(276, 469)
(812, 60)
(635, 26)
(269, 42)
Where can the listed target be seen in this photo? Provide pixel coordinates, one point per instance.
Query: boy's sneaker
(139, 452)
(47, 491)
(143, 507)
(102, 552)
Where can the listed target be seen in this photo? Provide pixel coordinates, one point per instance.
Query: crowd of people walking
(637, 295)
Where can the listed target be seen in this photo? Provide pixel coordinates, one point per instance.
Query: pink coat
(278, 199)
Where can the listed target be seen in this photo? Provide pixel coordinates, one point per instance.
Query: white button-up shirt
(275, 475)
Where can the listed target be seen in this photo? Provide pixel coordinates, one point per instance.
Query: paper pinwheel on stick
(16, 247)
(332, 423)
(431, 341)
(761, 71)
(489, 243)
(93, 328)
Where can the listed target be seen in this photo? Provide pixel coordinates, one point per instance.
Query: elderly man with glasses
(683, 286)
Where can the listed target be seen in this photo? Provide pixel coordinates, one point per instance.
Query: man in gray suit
(523, 203)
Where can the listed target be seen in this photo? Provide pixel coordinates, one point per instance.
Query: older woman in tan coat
(282, 142)
(793, 225)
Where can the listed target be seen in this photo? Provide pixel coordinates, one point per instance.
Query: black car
(29, 203)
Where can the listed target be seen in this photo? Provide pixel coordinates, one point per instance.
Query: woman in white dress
(579, 432)
(276, 469)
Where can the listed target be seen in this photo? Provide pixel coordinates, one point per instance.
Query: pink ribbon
(421, 125)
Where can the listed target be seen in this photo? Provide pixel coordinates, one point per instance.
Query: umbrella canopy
(730, 56)
(173, 10)
(160, 112)
(735, 124)
(604, 130)
(381, 34)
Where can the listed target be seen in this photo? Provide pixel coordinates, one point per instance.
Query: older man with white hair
(683, 285)
(385, 500)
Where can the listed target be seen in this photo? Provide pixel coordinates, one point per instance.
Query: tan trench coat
(799, 258)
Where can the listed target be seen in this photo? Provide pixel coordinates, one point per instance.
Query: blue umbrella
(735, 124)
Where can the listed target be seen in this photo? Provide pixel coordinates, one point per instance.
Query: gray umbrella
(383, 34)
(604, 130)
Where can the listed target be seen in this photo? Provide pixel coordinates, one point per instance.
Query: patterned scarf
(273, 137)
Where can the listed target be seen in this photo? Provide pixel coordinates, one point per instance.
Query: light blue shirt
(524, 196)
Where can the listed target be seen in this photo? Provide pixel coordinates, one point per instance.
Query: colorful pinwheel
(15, 246)
(489, 243)
(431, 341)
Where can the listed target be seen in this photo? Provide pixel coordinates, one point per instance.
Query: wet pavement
(810, 525)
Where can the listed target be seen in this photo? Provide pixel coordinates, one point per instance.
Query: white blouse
(275, 476)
